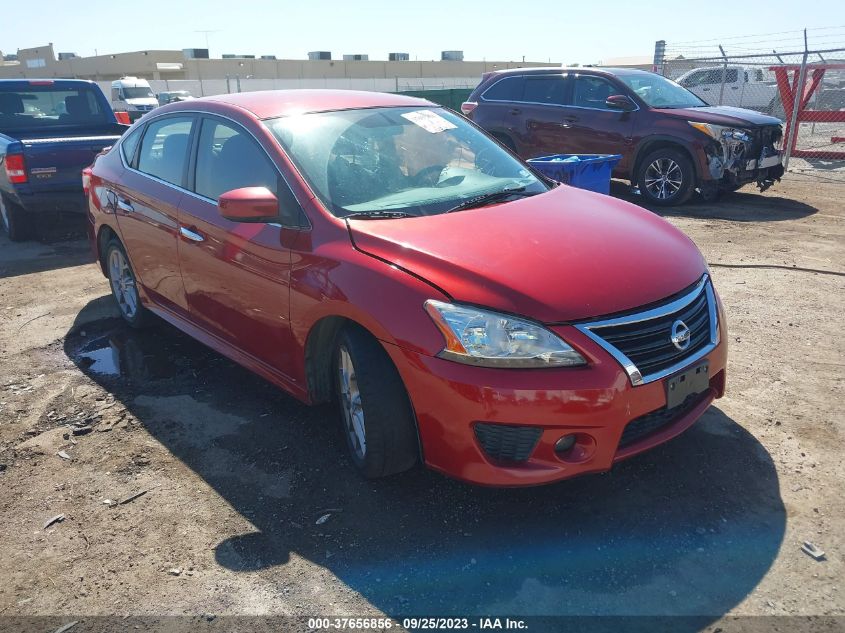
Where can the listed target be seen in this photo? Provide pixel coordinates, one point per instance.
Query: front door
(146, 202)
(236, 274)
(594, 128)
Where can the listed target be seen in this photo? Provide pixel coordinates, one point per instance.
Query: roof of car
(542, 70)
(267, 104)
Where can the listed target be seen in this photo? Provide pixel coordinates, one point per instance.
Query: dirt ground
(236, 475)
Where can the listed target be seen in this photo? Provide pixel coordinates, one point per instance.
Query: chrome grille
(642, 341)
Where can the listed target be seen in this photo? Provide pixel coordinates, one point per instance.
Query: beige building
(167, 65)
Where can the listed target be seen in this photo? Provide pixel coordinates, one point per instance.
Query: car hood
(722, 115)
(560, 256)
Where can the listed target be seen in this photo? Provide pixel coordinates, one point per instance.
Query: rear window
(36, 107)
(507, 89)
(546, 89)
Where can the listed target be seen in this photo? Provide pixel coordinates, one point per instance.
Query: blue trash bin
(585, 171)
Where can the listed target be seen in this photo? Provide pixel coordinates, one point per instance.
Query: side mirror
(249, 204)
(620, 102)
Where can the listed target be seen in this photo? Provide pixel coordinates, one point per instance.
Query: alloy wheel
(123, 283)
(353, 411)
(663, 178)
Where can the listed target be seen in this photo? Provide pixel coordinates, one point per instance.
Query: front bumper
(595, 402)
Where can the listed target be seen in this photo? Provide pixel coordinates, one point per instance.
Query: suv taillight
(468, 106)
(86, 180)
(15, 168)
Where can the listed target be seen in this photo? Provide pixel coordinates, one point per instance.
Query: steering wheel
(428, 176)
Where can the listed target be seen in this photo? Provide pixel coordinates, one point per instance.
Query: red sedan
(384, 253)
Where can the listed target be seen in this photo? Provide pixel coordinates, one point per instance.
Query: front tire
(124, 286)
(666, 177)
(17, 223)
(375, 412)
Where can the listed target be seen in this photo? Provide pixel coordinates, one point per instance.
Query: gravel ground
(236, 477)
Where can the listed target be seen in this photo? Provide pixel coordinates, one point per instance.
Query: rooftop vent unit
(195, 53)
(315, 55)
(398, 57)
(356, 57)
(452, 56)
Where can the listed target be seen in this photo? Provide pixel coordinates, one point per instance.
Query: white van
(132, 95)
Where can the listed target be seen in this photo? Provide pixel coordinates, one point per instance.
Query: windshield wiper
(480, 201)
(380, 215)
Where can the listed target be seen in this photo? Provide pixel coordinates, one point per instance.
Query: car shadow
(689, 528)
(62, 244)
(745, 205)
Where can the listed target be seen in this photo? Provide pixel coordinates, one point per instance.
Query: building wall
(144, 64)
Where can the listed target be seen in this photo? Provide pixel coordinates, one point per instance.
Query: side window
(758, 75)
(507, 89)
(731, 76)
(690, 80)
(544, 89)
(703, 77)
(592, 92)
(115, 94)
(164, 149)
(229, 158)
(129, 144)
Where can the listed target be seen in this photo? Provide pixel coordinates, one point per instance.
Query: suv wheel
(666, 177)
(124, 287)
(377, 419)
(16, 222)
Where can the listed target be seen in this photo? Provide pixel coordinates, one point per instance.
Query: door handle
(191, 235)
(124, 205)
(515, 111)
(705, 89)
(734, 87)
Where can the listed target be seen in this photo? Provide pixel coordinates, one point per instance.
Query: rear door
(594, 128)
(539, 122)
(237, 274)
(497, 103)
(147, 206)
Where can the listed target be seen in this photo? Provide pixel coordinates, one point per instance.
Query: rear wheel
(666, 177)
(124, 286)
(17, 223)
(376, 416)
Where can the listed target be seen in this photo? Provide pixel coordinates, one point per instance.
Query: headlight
(489, 339)
(720, 132)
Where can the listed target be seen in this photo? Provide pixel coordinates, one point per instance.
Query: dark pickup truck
(49, 131)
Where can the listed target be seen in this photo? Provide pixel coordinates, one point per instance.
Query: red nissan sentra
(384, 253)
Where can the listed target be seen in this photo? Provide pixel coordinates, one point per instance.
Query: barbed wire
(719, 40)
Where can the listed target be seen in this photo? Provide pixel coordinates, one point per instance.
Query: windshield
(44, 106)
(659, 92)
(417, 161)
(135, 92)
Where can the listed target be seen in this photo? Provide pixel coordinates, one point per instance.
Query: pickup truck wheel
(17, 224)
(124, 287)
(666, 177)
(377, 419)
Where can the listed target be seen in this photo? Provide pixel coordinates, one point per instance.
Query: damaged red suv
(386, 254)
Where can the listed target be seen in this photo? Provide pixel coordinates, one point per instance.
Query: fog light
(564, 444)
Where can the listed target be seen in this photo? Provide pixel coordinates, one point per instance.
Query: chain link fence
(804, 88)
